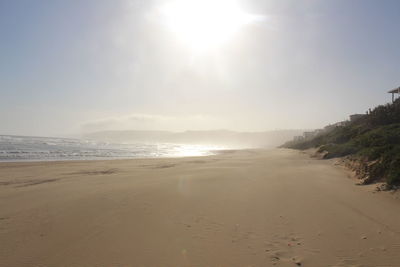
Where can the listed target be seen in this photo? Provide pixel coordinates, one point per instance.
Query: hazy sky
(85, 65)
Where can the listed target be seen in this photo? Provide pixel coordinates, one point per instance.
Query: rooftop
(396, 90)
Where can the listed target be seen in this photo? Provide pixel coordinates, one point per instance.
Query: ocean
(27, 148)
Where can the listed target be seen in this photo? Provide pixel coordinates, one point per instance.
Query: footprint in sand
(286, 249)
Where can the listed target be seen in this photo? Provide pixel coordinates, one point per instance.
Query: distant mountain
(216, 137)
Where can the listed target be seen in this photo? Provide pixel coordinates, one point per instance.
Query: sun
(204, 24)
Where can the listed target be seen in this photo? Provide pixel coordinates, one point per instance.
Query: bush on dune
(375, 137)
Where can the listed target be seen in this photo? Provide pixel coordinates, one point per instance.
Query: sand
(242, 208)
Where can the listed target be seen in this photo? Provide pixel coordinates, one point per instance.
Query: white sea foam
(24, 148)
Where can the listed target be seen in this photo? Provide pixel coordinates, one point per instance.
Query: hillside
(371, 144)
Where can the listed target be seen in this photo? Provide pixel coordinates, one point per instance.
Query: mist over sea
(26, 148)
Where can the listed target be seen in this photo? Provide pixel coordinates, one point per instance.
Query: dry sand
(244, 208)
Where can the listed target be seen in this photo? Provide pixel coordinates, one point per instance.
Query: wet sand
(240, 208)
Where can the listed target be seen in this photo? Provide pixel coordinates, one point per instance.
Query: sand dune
(243, 208)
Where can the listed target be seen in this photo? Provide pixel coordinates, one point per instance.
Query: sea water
(26, 148)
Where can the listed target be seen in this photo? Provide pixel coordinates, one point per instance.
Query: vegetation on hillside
(373, 141)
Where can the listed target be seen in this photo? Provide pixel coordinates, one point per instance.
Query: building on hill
(393, 92)
(298, 138)
(319, 131)
(355, 117)
(309, 135)
(340, 123)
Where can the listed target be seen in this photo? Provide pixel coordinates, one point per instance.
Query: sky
(78, 66)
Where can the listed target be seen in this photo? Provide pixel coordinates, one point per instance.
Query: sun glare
(204, 24)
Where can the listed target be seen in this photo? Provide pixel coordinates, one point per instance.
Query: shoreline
(241, 208)
(212, 153)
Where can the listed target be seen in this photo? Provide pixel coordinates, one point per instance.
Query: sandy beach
(239, 208)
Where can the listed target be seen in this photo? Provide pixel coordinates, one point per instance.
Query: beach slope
(239, 208)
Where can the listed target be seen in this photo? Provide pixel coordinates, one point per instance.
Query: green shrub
(339, 150)
(375, 137)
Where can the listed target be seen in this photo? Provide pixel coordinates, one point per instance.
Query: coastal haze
(135, 144)
(68, 68)
(228, 139)
(186, 133)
